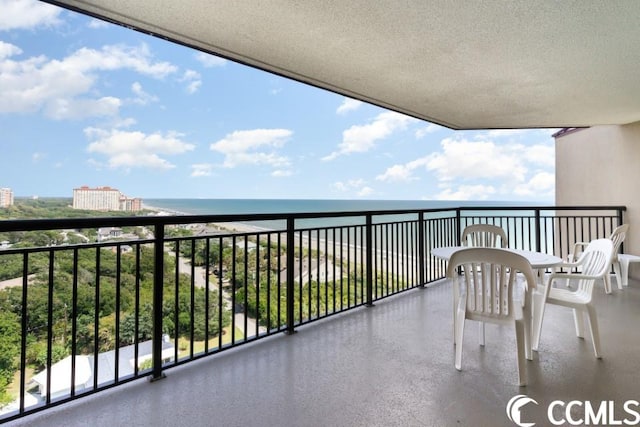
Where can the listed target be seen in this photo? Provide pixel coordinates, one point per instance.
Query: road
(199, 280)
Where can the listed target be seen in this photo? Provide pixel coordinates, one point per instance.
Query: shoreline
(229, 226)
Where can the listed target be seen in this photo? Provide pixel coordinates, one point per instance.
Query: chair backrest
(594, 263)
(617, 237)
(484, 235)
(489, 275)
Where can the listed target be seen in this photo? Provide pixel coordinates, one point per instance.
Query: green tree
(9, 344)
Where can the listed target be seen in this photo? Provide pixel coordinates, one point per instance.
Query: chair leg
(481, 333)
(607, 283)
(520, 342)
(593, 326)
(624, 271)
(578, 319)
(527, 336)
(456, 298)
(538, 303)
(616, 269)
(459, 338)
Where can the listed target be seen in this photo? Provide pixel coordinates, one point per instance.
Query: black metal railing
(90, 316)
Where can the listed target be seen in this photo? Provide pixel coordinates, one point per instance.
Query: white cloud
(253, 147)
(466, 192)
(541, 185)
(120, 122)
(27, 14)
(430, 128)
(142, 97)
(396, 173)
(402, 173)
(37, 156)
(7, 50)
(485, 160)
(477, 170)
(347, 105)
(77, 108)
(362, 138)
(116, 57)
(201, 169)
(281, 173)
(210, 61)
(65, 89)
(193, 80)
(339, 186)
(356, 186)
(97, 24)
(193, 87)
(543, 155)
(365, 191)
(136, 149)
(469, 160)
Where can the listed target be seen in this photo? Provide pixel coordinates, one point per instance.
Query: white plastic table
(624, 260)
(538, 260)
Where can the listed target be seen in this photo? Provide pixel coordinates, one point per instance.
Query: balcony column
(421, 251)
(291, 251)
(158, 285)
(369, 260)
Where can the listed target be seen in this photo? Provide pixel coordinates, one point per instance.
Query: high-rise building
(104, 199)
(130, 204)
(6, 197)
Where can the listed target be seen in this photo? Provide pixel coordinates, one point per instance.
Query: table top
(536, 259)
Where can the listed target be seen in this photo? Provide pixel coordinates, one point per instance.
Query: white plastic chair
(489, 277)
(594, 264)
(484, 235)
(617, 237)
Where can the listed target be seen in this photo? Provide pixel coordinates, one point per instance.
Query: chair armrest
(577, 247)
(566, 264)
(565, 276)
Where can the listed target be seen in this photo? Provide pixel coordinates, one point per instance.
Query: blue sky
(83, 102)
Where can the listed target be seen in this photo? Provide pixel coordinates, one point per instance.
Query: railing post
(421, 251)
(620, 218)
(158, 284)
(538, 230)
(290, 273)
(369, 260)
(620, 222)
(458, 226)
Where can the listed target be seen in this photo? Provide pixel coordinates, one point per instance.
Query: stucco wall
(601, 166)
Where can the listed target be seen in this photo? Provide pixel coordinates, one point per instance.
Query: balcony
(370, 346)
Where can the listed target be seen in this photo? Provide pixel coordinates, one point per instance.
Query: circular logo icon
(515, 406)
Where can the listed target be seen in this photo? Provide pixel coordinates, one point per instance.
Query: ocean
(252, 206)
(285, 206)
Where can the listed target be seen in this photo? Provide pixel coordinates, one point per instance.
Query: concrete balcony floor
(389, 365)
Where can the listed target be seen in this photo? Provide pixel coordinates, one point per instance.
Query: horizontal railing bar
(152, 220)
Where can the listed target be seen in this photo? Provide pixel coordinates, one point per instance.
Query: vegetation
(88, 299)
(52, 208)
(92, 305)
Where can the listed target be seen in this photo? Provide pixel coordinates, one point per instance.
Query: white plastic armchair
(617, 237)
(484, 235)
(489, 278)
(593, 264)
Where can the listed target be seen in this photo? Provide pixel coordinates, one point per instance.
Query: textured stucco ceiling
(462, 64)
